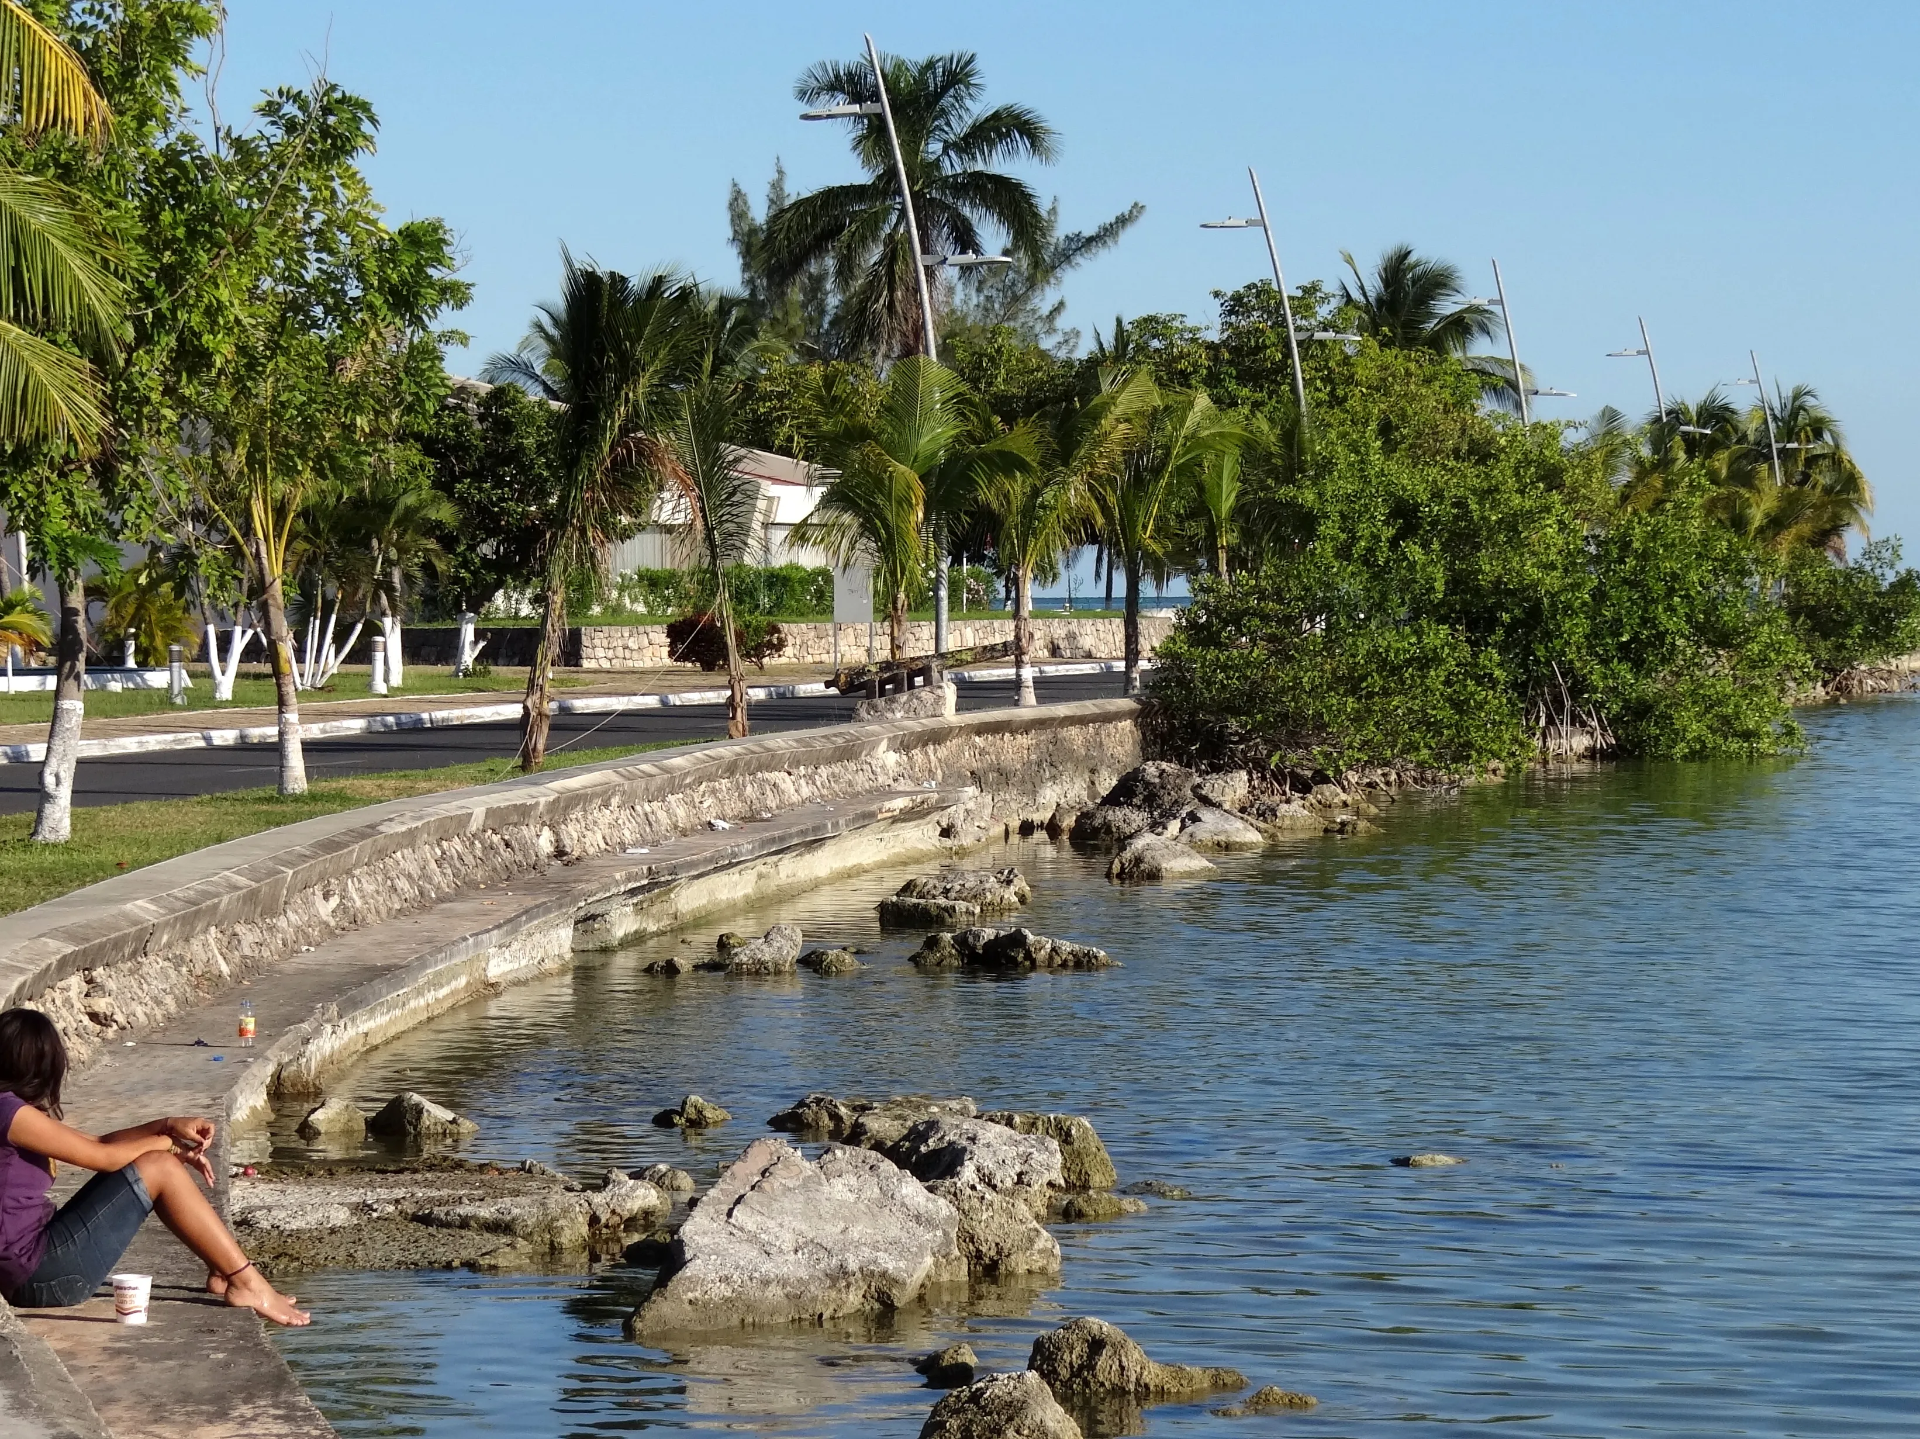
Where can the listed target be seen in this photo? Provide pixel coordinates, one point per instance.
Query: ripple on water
(1668, 1014)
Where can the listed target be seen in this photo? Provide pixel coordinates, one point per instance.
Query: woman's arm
(43, 1134)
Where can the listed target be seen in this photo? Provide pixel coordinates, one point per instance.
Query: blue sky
(1742, 175)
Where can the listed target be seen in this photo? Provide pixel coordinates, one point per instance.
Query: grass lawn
(257, 689)
(112, 839)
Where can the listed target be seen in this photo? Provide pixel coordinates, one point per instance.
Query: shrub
(696, 639)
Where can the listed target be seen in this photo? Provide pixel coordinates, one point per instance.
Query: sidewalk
(610, 692)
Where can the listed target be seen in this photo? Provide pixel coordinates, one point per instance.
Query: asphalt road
(172, 774)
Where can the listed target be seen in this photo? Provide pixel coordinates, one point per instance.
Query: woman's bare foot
(217, 1287)
(247, 1290)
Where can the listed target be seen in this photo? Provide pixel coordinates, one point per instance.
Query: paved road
(175, 773)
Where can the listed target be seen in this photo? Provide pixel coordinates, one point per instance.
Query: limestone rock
(1149, 857)
(950, 1367)
(925, 702)
(913, 912)
(693, 1112)
(779, 1240)
(998, 1234)
(1060, 822)
(1159, 1189)
(1108, 826)
(418, 1120)
(336, 1121)
(1097, 1208)
(775, 952)
(676, 965)
(864, 1123)
(1093, 1357)
(1346, 825)
(1006, 949)
(1159, 787)
(990, 889)
(1084, 1161)
(1001, 1406)
(667, 1179)
(1426, 1161)
(1223, 791)
(831, 961)
(1327, 796)
(993, 1158)
(1270, 1400)
(1207, 828)
(1282, 817)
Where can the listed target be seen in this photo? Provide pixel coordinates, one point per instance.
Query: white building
(789, 490)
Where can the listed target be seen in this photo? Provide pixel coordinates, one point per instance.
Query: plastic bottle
(246, 1024)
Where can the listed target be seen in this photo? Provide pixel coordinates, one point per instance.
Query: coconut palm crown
(950, 147)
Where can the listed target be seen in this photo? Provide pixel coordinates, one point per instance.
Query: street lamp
(1646, 349)
(843, 112)
(1513, 345)
(1279, 282)
(961, 262)
(1766, 412)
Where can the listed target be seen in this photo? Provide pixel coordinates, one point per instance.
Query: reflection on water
(1667, 1013)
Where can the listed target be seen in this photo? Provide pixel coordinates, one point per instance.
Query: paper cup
(130, 1295)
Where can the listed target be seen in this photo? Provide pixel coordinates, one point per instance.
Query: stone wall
(128, 953)
(1063, 637)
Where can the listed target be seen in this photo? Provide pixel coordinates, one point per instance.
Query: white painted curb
(477, 714)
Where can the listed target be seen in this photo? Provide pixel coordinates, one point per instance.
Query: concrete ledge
(225, 910)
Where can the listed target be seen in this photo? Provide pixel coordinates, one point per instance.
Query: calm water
(1669, 1014)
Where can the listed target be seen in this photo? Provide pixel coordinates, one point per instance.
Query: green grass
(112, 839)
(257, 690)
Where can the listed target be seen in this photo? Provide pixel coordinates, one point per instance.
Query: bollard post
(176, 675)
(378, 683)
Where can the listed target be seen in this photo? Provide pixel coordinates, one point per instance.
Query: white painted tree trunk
(53, 823)
(224, 675)
(336, 658)
(1023, 638)
(463, 656)
(396, 670)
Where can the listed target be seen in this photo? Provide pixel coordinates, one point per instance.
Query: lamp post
(1279, 282)
(1513, 345)
(1646, 349)
(1766, 413)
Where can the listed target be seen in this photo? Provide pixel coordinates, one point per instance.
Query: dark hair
(33, 1058)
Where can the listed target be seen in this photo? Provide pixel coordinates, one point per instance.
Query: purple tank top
(25, 1180)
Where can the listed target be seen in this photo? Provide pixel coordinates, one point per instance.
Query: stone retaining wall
(631, 646)
(126, 954)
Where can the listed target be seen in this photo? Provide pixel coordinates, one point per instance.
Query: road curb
(484, 714)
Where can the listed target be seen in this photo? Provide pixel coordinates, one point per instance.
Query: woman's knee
(158, 1170)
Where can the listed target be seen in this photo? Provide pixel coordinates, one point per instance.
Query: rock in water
(1158, 787)
(999, 1183)
(1098, 1208)
(1001, 1406)
(1159, 1189)
(950, 1368)
(1006, 949)
(1215, 829)
(1084, 1161)
(831, 961)
(693, 1112)
(914, 912)
(1284, 817)
(418, 1120)
(1426, 1161)
(864, 1123)
(667, 1179)
(775, 952)
(1149, 857)
(335, 1121)
(1108, 826)
(1224, 791)
(779, 1240)
(991, 889)
(1060, 822)
(1270, 1400)
(1093, 1357)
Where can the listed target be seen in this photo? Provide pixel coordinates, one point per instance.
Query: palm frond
(47, 88)
(47, 392)
(52, 262)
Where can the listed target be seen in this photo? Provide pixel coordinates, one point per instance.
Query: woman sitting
(50, 1258)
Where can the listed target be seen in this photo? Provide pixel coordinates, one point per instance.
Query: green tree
(609, 354)
(492, 453)
(950, 148)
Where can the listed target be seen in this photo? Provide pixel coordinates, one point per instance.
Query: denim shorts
(85, 1240)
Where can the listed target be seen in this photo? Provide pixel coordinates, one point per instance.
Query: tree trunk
(286, 695)
(1023, 635)
(940, 574)
(897, 626)
(736, 667)
(53, 824)
(1132, 626)
(537, 716)
(1220, 555)
(396, 664)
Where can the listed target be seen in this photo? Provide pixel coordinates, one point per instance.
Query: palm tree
(875, 508)
(146, 600)
(1171, 441)
(52, 258)
(24, 624)
(949, 147)
(607, 355)
(704, 475)
(1413, 302)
